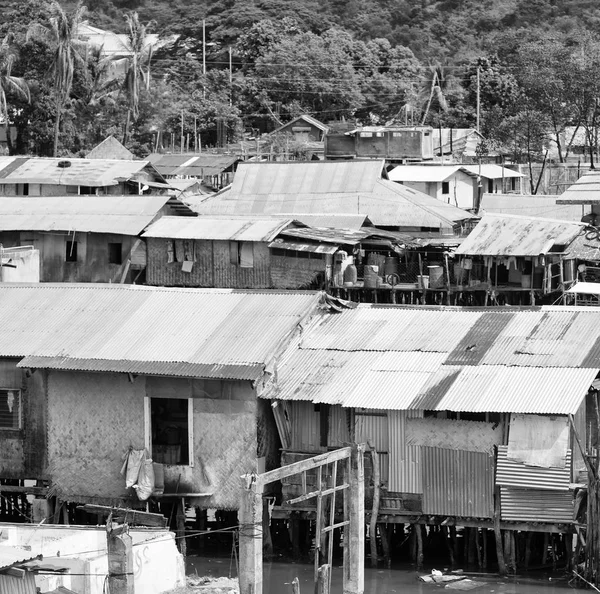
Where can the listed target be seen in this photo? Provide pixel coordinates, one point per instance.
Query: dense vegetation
(375, 61)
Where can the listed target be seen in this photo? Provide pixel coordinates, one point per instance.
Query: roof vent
(64, 164)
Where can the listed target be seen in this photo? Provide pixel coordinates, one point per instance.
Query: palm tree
(61, 35)
(9, 83)
(140, 55)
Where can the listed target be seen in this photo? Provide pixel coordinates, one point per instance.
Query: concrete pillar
(250, 520)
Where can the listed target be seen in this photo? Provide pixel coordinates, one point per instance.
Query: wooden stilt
(528, 542)
(375, 510)
(448, 544)
(498, 533)
(545, 549)
(418, 529)
(485, 535)
(180, 518)
(295, 586)
(266, 530)
(384, 534)
(323, 579)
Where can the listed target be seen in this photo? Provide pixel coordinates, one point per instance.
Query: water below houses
(403, 579)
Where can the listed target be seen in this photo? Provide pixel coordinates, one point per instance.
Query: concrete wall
(157, 565)
(23, 452)
(212, 268)
(95, 417)
(92, 264)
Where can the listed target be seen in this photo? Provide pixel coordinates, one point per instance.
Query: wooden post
(448, 544)
(419, 533)
(295, 586)
(323, 579)
(354, 534)
(385, 543)
(375, 510)
(180, 519)
(120, 558)
(498, 533)
(250, 519)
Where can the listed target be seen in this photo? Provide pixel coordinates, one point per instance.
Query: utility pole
(181, 145)
(230, 76)
(204, 59)
(478, 98)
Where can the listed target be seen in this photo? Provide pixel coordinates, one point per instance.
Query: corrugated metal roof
(333, 221)
(299, 246)
(110, 148)
(457, 483)
(125, 215)
(491, 171)
(307, 119)
(218, 228)
(495, 388)
(80, 172)
(422, 173)
(128, 328)
(585, 288)
(326, 188)
(192, 164)
(510, 473)
(538, 360)
(586, 188)
(530, 206)
(511, 235)
(536, 505)
(10, 556)
(337, 236)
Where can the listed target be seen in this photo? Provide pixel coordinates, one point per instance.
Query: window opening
(10, 409)
(170, 425)
(71, 251)
(115, 252)
(445, 187)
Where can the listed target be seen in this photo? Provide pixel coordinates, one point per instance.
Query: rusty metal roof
(328, 188)
(530, 206)
(75, 172)
(157, 331)
(125, 215)
(537, 360)
(229, 228)
(192, 165)
(511, 235)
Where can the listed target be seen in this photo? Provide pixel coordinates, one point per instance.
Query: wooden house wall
(22, 452)
(212, 268)
(92, 264)
(296, 273)
(93, 419)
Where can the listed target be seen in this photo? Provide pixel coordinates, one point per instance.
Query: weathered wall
(93, 418)
(92, 264)
(212, 267)
(23, 452)
(295, 273)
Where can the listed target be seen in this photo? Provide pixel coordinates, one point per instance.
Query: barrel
(436, 277)
(350, 275)
(391, 266)
(371, 276)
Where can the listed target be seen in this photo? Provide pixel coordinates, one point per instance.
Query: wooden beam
(250, 519)
(43, 491)
(303, 465)
(132, 516)
(312, 494)
(15, 572)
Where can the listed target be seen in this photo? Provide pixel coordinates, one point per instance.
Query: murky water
(279, 575)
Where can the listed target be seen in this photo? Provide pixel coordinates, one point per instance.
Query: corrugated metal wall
(457, 483)
(305, 424)
(372, 426)
(516, 474)
(536, 505)
(339, 435)
(405, 461)
(16, 585)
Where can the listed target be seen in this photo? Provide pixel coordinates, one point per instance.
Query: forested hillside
(370, 61)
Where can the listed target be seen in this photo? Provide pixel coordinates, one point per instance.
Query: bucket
(423, 281)
(371, 276)
(436, 277)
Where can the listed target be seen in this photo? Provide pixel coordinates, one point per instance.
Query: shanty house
(15, 576)
(89, 372)
(228, 251)
(304, 128)
(333, 187)
(470, 410)
(84, 238)
(37, 176)
(459, 185)
(514, 260)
